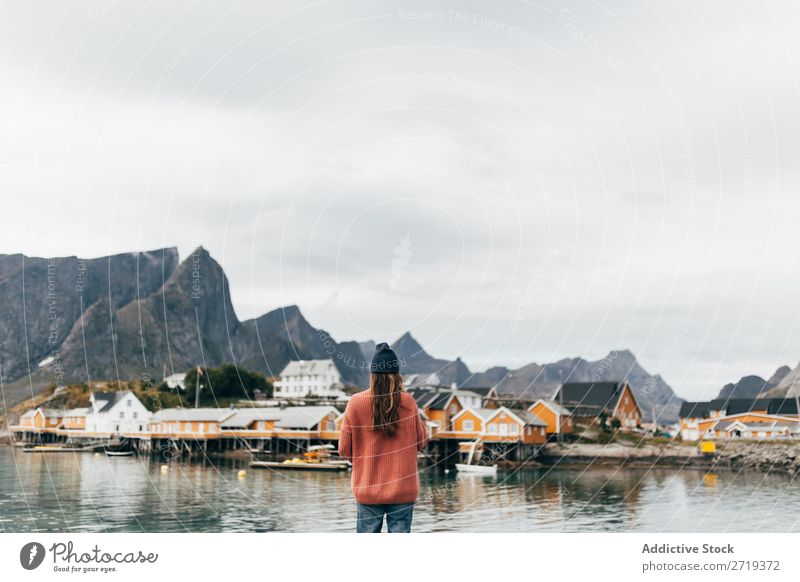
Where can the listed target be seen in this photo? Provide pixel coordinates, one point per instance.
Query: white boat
(477, 469)
(472, 466)
(118, 448)
(118, 453)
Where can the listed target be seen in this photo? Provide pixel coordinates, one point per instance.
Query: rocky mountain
(124, 316)
(187, 321)
(534, 381)
(416, 360)
(789, 385)
(367, 348)
(752, 386)
(778, 376)
(42, 300)
(284, 334)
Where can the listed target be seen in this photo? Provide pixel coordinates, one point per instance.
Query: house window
(453, 409)
(469, 425)
(504, 428)
(130, 402)
(202, 427)
(493, 428)
(122, 415)
(135, 415)
(513, 428)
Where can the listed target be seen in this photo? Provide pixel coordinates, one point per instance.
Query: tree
(226, 383)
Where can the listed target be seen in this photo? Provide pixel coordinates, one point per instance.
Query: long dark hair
(385, 391)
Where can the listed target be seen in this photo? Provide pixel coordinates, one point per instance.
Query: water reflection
(86, 492)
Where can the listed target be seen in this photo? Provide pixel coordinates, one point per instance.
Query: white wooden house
(310, 379)
(116, 413)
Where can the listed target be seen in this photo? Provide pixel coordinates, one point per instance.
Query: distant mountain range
(754, 386)
(788, 386)
(134, 315)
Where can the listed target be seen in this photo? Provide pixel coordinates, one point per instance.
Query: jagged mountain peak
(289, 317)
(410, 347)
(789, 384)
(624, 356)
(407, 338)
(779, 375)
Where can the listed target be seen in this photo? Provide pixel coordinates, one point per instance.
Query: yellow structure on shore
(747, 418)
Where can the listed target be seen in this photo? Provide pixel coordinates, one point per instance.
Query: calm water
(87, 492)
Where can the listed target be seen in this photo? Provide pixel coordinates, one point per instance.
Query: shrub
(226, 383)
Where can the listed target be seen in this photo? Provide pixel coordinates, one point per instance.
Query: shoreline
(763, 457)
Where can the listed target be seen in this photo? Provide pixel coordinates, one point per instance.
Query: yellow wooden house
(189, 423)
(515, 425)
(438, 406)
(75, 418)
(471, 422)
(41, 419)
(557, 417)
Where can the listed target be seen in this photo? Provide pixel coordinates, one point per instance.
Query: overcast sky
(511, 183)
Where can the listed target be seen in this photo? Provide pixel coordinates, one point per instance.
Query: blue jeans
(398, 517)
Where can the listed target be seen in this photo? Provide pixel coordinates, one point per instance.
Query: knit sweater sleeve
(346, 436)
(422, 434)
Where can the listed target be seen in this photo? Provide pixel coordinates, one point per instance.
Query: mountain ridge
(152, 314)
(753, 386)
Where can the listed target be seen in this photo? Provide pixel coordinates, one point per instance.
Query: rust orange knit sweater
(384, 468)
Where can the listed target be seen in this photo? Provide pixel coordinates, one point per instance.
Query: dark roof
(109, 398)
(528, 418)
(719, 404)
(440, 401)
(421, 396)
(740, 405)
(590, 398)
(782, 406)
(432, 397)
(694, 410)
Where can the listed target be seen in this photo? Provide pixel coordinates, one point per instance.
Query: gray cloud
(567, 178)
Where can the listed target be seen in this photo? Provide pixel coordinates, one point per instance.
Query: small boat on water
(118, 448)
(472, 462)
(317, 458)
(477, 469)
(118, 453)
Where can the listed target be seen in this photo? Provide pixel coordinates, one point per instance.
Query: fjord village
(304, 415)
(470, 429)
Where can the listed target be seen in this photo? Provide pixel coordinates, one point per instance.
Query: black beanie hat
(384, 361)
